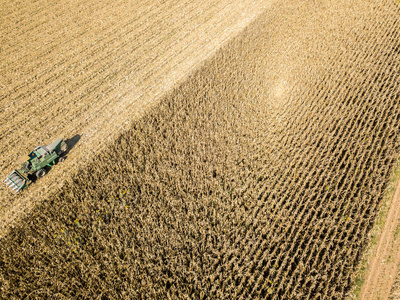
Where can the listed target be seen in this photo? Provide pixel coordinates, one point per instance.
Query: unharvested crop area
(89, 67)
(258, 177)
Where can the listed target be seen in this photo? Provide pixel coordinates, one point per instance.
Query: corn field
(259, 177)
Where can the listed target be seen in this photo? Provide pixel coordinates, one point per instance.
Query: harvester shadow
(72, 142)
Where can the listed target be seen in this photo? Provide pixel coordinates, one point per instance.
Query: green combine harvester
(36, 163)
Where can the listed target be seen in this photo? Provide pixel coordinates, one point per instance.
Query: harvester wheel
(61, 158)
(41, 173)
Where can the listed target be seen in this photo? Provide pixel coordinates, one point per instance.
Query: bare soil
(395, 290)
(385, 260)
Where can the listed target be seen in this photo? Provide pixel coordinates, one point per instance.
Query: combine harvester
(35, 163)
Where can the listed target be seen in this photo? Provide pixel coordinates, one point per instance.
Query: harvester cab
(36, 163)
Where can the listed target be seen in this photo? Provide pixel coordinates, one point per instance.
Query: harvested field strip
(100, 66)
(259, 177)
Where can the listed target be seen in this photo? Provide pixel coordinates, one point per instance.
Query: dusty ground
(67, 69)
(395, 290)
(385, 259)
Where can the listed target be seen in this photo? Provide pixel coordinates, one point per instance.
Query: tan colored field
(259, 176)
(382, 258)
(90, 67)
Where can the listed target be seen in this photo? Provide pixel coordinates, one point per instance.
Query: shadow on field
(72, 142)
